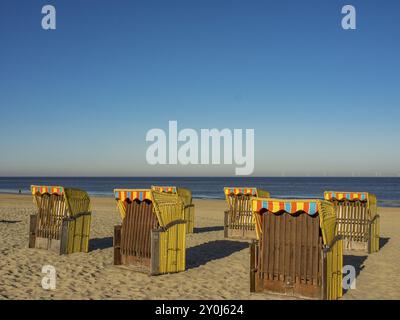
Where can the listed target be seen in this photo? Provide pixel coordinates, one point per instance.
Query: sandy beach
(216, 268)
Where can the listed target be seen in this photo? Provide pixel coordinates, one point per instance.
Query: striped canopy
(132, 194)
(325, 210)
(75, 200)
(330, 195)
(47, 189)
(169, 189)
(289, 206)
(247, 191)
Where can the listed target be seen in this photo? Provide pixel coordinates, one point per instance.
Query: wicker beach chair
(62, 223)
(186, 196)
(298, 251)
(358, 220)
(152, 236)
(239, 221)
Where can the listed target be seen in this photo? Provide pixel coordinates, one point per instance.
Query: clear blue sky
(79, 100)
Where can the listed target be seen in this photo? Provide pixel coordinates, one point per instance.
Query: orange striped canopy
(132, 194)
(290, 206)
(47, 189)
(170, 189)
(235, 191)
(312, 207)
(361, 196)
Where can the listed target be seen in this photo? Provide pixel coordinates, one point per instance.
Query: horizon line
(213, 177)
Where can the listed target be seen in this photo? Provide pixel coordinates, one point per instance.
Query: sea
(386, 189)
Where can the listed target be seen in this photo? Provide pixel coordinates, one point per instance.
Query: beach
(217, 268)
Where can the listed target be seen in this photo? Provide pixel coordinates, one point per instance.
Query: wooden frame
(358, 221)
(62, 223)
(238, 219)
(186, 196)
(297, 253)
(152, 236)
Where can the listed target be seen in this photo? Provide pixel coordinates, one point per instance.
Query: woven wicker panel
(186, 195)
(168, 207)
(52, 210)
(78, 201)
(328, 221)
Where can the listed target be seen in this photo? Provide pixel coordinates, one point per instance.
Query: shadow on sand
(213, 250)
(10, 221)
(100, 243)
(383, 242)
(208, 229)
(357, 262)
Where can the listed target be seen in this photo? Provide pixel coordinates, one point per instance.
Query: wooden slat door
(240, 220)
(51, 212)
(136, 232)
(291, 254)
(353, 220)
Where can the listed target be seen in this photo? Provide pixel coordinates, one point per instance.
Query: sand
(216, 268)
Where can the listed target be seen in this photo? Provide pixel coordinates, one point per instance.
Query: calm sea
(387, 190)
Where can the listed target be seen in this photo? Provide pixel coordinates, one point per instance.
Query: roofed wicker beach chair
(358, 220)
(298, 251)
(239, 221)
(152, 236)
(62, 222)
(186, 196)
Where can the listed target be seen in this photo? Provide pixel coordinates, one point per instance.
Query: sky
(79, 100)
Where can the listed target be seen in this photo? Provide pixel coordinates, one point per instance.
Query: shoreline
(111, 196)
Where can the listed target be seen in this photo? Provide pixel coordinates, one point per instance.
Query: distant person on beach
(19, 191)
